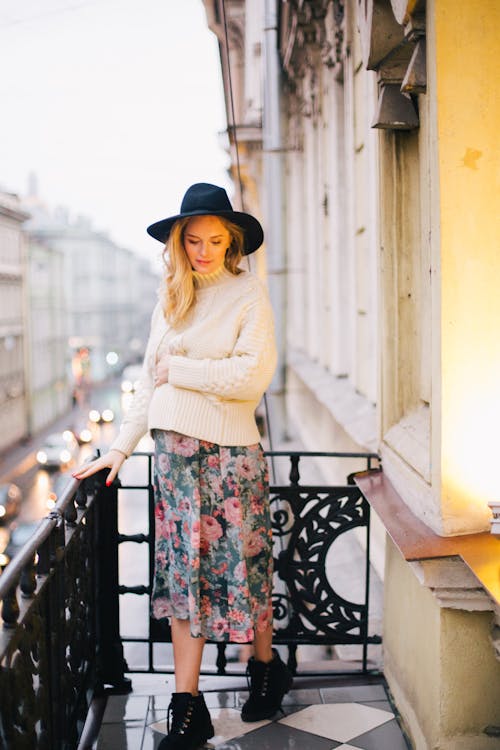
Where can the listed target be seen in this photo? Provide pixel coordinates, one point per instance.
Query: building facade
(49, 376)
(367, 142)
(108, 294)
(13, 390)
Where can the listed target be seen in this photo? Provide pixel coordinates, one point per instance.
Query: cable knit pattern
(222, 359)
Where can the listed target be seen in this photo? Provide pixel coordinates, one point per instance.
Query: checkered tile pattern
(356, 717)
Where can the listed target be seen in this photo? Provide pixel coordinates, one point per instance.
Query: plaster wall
(467, 48)
(439, 664)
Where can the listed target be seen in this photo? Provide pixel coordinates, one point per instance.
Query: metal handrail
(13, 571)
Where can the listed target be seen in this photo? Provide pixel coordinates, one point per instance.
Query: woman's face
(206, 241)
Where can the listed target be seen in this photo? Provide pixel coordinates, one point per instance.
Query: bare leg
(245, 652)
(263, 645)
(187, 657)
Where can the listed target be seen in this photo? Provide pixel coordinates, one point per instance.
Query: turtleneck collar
(205, 280)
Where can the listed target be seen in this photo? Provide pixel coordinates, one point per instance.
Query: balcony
(83, 665)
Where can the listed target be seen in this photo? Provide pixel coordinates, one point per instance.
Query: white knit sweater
(222, 359)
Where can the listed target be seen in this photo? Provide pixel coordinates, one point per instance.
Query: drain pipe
(274, 203)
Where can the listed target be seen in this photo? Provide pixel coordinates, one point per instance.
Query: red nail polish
(108, 482)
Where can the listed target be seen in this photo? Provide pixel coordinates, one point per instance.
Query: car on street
(10, 502)
(98, 416)
(130, 378)
(58, 450)
(82, 433)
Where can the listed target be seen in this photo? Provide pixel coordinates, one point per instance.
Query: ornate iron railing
(60, 641)
(306, 520)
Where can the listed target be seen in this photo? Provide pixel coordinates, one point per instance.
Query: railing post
(110, 659)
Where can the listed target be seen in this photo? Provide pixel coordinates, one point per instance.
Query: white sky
(116, 105)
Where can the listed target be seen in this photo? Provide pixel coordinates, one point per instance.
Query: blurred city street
(41, 486)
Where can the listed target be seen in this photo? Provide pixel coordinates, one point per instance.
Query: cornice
(308, 29)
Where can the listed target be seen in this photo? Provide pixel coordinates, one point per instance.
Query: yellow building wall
(439, 664)
(411, 649)
(467, 71)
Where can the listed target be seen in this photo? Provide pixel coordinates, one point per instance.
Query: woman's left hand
(161, 370)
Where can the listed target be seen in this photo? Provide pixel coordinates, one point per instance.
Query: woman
(210, 356)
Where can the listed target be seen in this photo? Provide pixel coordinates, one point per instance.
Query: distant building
(108, 293)
(13, 392)
(49, 375)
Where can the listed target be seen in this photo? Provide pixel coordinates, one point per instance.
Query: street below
(40, 487)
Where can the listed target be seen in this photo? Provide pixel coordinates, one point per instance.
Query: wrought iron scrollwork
(48, 664)
(306, 523)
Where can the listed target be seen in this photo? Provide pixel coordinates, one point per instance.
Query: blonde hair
(178, 290)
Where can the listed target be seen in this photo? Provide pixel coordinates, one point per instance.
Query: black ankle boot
(268, 683)
(188, 723)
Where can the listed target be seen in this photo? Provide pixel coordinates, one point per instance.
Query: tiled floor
(348, 717)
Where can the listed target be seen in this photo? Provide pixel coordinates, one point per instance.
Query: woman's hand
(161, 370)
(113, 459)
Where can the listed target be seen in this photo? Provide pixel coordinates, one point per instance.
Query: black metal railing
(61, 641)
(307, 520)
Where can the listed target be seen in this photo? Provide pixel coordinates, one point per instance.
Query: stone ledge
(417, 542)
(353, 412)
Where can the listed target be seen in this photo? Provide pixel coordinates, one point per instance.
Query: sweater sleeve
(135, 422)
(247, 372)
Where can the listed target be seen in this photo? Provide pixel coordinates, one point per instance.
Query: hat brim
(254, 234)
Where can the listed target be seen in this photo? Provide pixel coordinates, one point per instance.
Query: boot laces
(265, 680)
(179, 724)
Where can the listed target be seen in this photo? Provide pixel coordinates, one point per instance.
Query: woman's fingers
(161, 370)
(112, 474)
(112, 460)
(88, 469)
(161, 374)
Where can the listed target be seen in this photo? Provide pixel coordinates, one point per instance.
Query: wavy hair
(177, 291)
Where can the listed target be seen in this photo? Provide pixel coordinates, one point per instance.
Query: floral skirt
(213, 551)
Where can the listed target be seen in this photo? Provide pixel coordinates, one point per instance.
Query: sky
(115, 105)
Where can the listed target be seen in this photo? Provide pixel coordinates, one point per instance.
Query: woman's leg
(263, 645)
(270, 679)
(189, 724)
(187, 657)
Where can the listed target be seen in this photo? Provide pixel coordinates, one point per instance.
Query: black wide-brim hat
(203, 199)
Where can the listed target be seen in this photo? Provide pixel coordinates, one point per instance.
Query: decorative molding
(380, 33)
(410, 438)
(393, 43)
(414, 81)
(453, 585)
(310, 28)
(403, 9)
(395, 111)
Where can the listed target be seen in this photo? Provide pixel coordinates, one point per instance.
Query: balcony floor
(339, 712)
